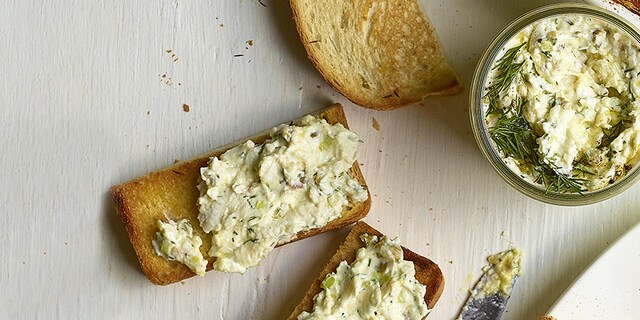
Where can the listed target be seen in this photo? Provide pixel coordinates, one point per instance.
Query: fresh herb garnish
(506, 70)
(512, 133)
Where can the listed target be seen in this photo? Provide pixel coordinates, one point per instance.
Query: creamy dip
(500, 273)
(379, 284)
(257, 196)
(175, 241)
(560, 103)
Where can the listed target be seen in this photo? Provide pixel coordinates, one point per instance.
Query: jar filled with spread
(553, 104)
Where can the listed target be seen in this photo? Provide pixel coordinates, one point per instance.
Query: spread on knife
(379, 284)
(499, 274)
(560, 103)
(256, 196)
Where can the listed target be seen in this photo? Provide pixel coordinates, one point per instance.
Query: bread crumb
(176, 161)
(185, 107)
(300, 88)
(430, 209)
(375, 124)
(166, 79)
(148, 112)
(182, 283)
(222, 25)
(250, 43)
(168, 51)
(450, 261)
(318, 86)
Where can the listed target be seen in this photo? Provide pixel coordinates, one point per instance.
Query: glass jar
(477, 107)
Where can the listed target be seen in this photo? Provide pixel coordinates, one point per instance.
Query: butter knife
(490, 295)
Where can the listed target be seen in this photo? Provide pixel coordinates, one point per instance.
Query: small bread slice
(173, 191)
(427, 272)
(380, 54)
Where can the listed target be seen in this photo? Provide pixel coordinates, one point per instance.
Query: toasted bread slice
(379, 54)
(173, 191)
(427, 272)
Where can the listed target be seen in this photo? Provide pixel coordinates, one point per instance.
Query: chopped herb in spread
(379, 284)
(503, 268)
(256, 196)
(560, 104)
(175, 241)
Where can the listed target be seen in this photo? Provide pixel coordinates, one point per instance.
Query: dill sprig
(553, 181)
(506, 70)
(513, 134)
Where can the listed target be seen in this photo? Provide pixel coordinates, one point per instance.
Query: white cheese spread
(561, 103)
(175, 241)
(379, 284)
(501, 272)
(257, 196)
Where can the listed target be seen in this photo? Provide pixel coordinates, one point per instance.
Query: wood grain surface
(93, 94)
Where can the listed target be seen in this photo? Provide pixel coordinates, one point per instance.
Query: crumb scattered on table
(185, 107)
(375, 124)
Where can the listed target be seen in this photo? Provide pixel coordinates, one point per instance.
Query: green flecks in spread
(256, 196)
(385, 286)
(501, 272)
(175, 241)
(560, 104)
(513, 134)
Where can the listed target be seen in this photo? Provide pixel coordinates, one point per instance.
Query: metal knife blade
(488, 299)
(484, 307)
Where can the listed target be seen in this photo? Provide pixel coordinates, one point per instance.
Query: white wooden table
(92, 94)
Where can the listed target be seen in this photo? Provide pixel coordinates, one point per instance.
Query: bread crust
(427, 272)
(173, 191)
(632, 5)
(380, 55)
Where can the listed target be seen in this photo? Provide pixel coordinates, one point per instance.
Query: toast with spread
(173, 193)
(426, 272)
(379, 54)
